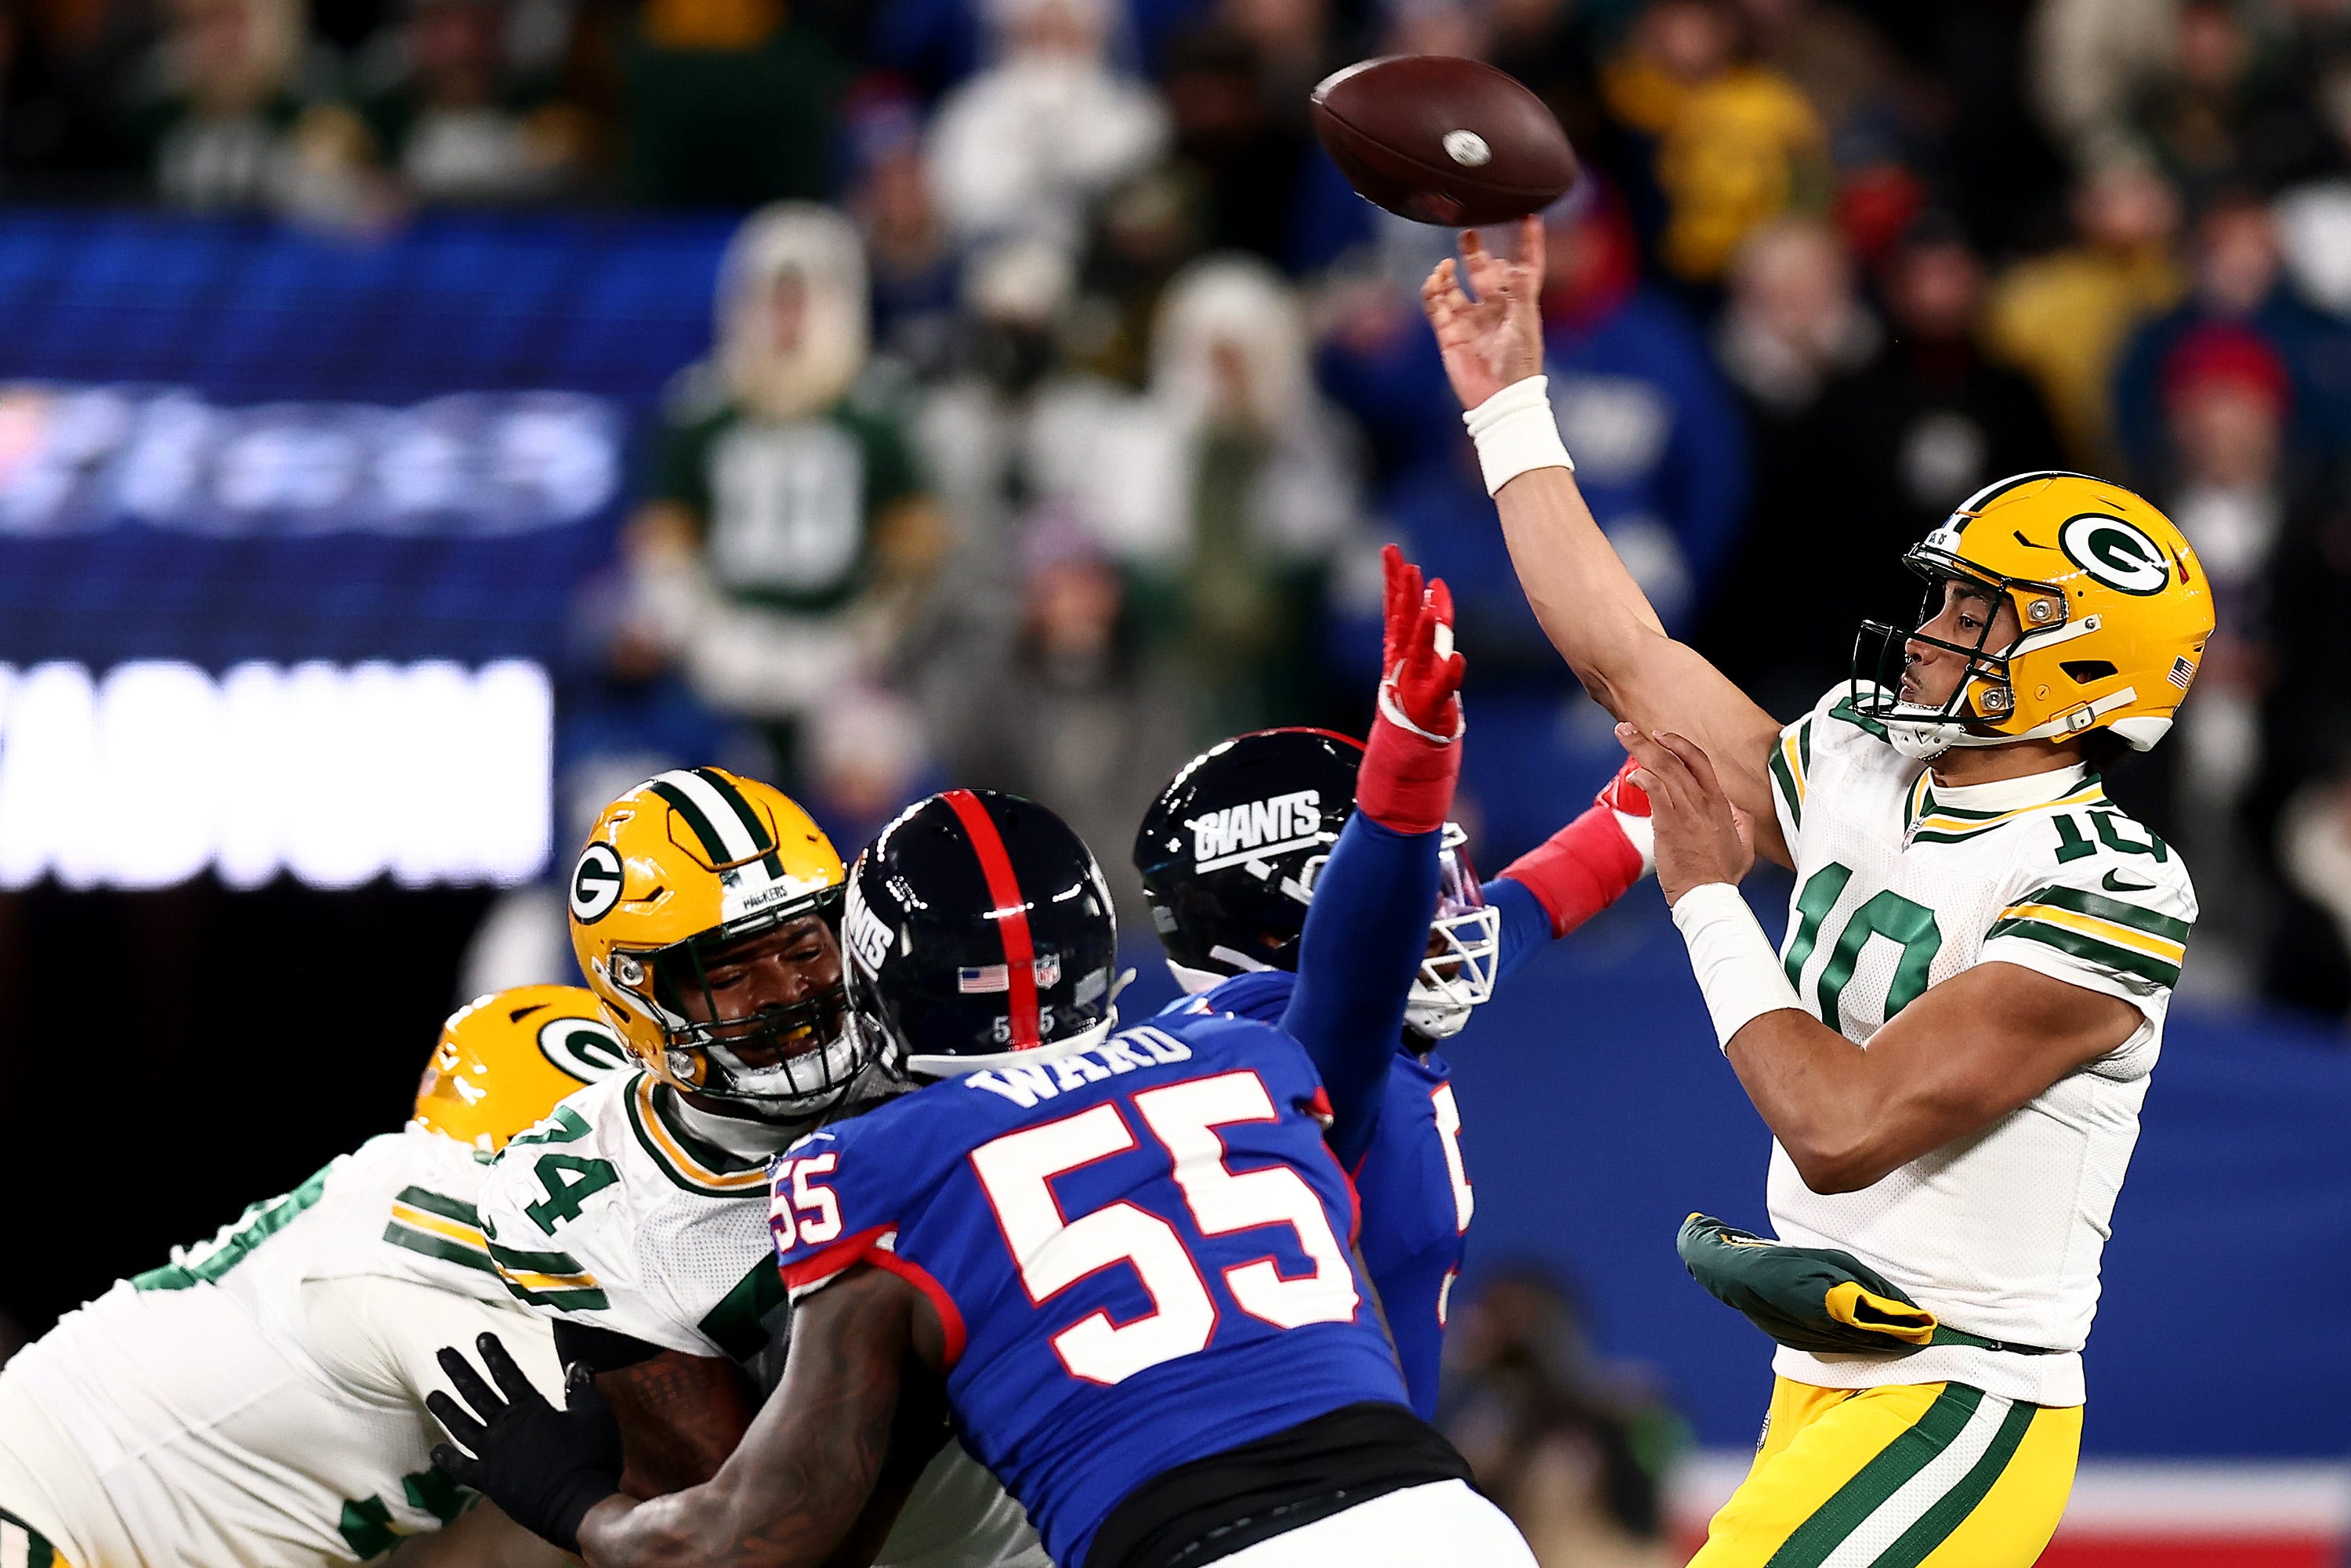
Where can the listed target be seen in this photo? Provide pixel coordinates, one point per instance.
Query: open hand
(545, 1466)
(1420, 675)
(1496, 339)
(1700, 838)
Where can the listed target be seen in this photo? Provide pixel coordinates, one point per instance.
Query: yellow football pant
(20, 1546)
(1933, 1476)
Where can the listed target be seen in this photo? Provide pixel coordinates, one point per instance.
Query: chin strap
(1924, 739)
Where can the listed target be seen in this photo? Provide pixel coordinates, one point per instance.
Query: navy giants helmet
(1228, 854)
(978, 929)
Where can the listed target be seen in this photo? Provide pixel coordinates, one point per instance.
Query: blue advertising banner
(224, 440)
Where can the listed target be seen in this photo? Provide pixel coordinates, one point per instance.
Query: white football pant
(1437, 1525)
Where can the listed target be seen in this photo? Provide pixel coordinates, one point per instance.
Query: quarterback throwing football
(1953, 1046)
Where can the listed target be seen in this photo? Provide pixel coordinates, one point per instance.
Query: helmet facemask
(1465, 947)
(784, 1062)
(1981, 697)
(1465, 943)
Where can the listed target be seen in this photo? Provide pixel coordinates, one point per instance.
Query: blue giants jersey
(1413, 1183)
(1414, 1186)
(1417, 1200)
(1139, 1253)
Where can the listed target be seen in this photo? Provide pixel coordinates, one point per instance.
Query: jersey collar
(723, 1144)
(1947, 813)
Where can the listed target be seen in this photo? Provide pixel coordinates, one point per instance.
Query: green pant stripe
(1813, 1540)
(1934, 1526)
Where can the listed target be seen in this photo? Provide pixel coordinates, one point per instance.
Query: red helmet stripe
(1011, 913)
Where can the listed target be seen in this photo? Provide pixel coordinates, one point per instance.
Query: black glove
(546, 1467)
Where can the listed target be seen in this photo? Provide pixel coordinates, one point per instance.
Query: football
(1442, 140)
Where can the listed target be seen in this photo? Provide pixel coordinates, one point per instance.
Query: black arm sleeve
(601, 1349)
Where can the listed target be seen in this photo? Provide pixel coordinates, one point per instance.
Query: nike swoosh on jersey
(2112, 884)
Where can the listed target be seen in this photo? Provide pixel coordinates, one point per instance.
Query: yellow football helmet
(2114, 607)
(503, 1060)
(684, 866)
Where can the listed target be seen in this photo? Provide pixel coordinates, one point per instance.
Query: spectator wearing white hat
(1024, 145)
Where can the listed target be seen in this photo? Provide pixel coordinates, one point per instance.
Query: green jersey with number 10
(1902, 883)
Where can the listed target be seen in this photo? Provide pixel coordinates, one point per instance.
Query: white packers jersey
(617, 1213)
(258, 1402)
(1901, 884)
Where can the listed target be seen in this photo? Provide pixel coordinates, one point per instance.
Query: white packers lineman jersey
(1901, 884)
(258, 1401)
(614, 1213)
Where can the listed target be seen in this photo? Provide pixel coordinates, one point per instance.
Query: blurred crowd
(1060, 390)
(1575, 1450)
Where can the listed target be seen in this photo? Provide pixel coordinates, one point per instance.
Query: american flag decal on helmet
(987, 978)
(2182, 672)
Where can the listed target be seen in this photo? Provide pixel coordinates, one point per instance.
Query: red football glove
(1630, 804)
(1399, 604)
(1420, 685)
(1411, 762)
(1588, 864)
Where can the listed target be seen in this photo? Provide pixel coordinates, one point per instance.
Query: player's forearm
(679, 1416)
(1366, 933)
(1585, 599)
(1819, 1095)
(787, 1508)
(1822, 1096)
(793, 1488)
(1602, 625)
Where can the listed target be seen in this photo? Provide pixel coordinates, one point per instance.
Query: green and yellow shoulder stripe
(439, 1226)
(1792, 767)
(548, 1279)
(2111, 933)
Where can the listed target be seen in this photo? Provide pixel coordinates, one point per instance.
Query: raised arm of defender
(1588, 603)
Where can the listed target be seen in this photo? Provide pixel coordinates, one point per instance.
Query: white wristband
(1736, 970)
(1515, 433)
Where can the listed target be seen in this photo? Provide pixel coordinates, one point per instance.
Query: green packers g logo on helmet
(582, 1047)
(595, 884)
(2115, 552)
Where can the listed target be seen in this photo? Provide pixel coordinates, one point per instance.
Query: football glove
(545, 1466)
(1411, 761)
(1814, 1298)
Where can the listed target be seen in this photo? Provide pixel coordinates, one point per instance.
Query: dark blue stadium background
(252, 313)
(166, 1057)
